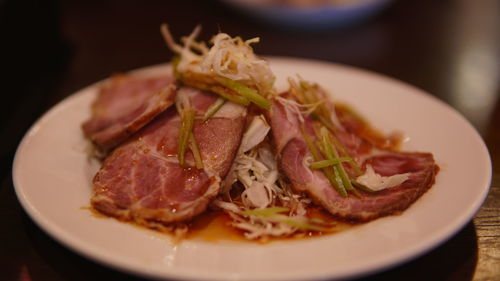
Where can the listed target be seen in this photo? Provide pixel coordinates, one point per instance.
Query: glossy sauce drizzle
(214, 226)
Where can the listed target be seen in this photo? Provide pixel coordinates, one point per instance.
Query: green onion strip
(305, 225)
(250, 94)
(328, 171)
(274, 213)
(310, 145)
(325, 163)
(322, 114)
(333, 155)
(175, 63)
(214, 107)
(231, 90)
(228, 94)
(207, 83)
(265, 212)
(186, 138)
(344, 151)
(196, 151)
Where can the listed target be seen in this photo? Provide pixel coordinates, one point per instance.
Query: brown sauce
(215, 226)
(362, 128)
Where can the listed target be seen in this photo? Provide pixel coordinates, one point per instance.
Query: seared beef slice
(125, 104)
(142, 180)
(293, 151)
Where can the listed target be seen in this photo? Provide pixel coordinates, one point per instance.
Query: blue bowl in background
(327, 14)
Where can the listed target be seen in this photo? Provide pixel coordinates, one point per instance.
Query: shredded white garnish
(256, 227)
(256, 195)
(182, 99)
(255, 133)
(228, 57)
(292, 108)
(306, 109)
(306, 162)
(256, 169)
(376, 182)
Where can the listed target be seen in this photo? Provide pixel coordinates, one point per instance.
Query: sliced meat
(142, 181)
(368, 206)
(125, 104)
(293, 152)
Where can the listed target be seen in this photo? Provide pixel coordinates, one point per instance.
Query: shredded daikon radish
(256, 169)
(228, 57)
(376, 182)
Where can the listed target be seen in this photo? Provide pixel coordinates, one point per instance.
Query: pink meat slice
(141, 179)
(293, 152)
(125, 104)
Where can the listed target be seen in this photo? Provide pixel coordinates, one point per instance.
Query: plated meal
(216, 134)
(260, 154)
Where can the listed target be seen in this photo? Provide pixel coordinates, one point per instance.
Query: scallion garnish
(175, 63)
(325, 163)
(335, 178)
(213, 108)
(231, 90)
(251, 94)
(265, 212)
(187, 122)
(346, 154)
(304, 225)
(362, 187)
(274, 213)
(229, 94)
(326, 143)
(310, 145)
(328, 171)
(332, 154)
(196, 151)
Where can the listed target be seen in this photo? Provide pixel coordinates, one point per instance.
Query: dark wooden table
(450, 48)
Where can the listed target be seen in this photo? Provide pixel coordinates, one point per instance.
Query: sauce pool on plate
(215, 226)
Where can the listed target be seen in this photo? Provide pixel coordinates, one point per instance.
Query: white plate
(52, 180)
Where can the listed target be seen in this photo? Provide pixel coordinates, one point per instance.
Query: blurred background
(52, 48)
